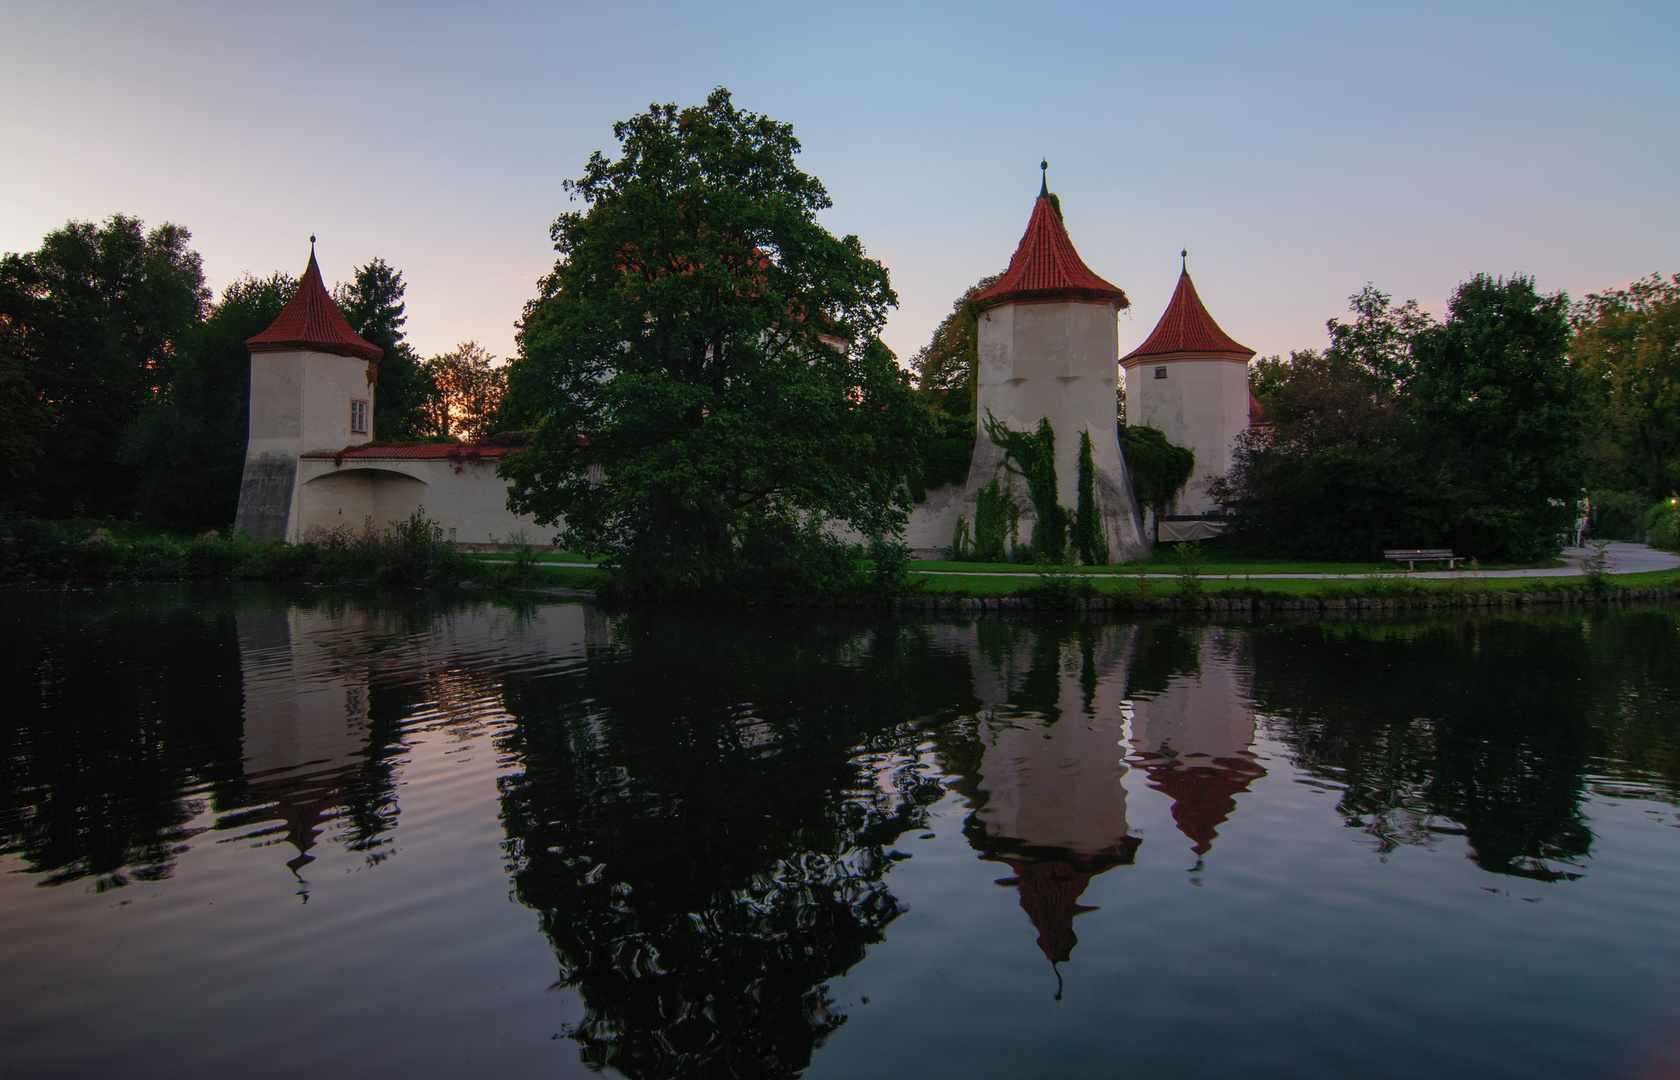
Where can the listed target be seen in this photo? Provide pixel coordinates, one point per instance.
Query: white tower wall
(300, 403)
(1202, 404)
(1056, 360)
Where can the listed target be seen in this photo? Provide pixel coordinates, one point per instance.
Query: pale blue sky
(1297, 149)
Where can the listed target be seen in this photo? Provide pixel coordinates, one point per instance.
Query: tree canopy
(1627, 345)
(90, 326)
(1408, 432)
(467, 391)
(702, 367)
(1504, 413)
(373, 305)
(188, 444)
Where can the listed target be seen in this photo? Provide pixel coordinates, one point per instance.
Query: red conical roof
(312, 321)
(1187, 327)
(1045, 267)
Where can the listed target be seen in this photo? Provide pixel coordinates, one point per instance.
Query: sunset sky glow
(1298, 150)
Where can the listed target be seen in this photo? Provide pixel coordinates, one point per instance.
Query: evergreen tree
(373, 305)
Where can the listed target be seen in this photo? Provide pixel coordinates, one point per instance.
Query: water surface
(246, 833)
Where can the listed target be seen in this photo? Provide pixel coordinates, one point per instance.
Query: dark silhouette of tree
(708, 848)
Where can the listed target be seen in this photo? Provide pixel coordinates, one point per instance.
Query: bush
(1618, 515)
(1663, 521)
(408, 552)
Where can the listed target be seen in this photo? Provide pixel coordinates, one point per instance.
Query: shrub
(1663, 521)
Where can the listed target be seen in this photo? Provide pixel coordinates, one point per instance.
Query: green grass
(1384, 586)
(1214, 565)
(537, 556)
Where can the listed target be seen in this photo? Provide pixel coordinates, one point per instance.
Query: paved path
(1625, 559)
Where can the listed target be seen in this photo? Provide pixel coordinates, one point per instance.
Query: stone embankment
(1304, 605)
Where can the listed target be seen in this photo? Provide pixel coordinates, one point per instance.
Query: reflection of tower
(1193, 739)
(305, 721)
(1046, 791)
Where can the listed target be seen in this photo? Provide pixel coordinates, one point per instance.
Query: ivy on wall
(1088, 535)
(1034, 456)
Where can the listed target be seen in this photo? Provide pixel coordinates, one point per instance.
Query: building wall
(1057, 361)
(300, 403)
(467, 498)
(1201, 404)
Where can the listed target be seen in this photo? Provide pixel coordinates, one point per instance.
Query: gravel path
(1624, 559)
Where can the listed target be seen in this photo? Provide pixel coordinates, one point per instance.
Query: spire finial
(311, 245)
(1044, 183)
(1185, 266)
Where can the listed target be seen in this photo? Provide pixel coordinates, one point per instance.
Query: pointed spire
(1186, 327)
(1045, 265)
(312, 322)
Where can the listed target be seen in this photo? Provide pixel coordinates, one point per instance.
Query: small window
(358, 417)
(1160, 373)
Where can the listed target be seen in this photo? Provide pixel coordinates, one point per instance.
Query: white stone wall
(1201, 404)
(1052, 360)
(467, 498)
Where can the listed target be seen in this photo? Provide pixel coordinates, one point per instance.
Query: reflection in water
(1485, 729)
(704, 819)
(703, 809)
(1040, 764)
(1194, 737)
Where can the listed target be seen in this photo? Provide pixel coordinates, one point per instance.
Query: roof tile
(312, 321)
(1046, 267)
(1186, 326)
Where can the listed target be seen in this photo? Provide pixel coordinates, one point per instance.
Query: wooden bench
(1410, 556)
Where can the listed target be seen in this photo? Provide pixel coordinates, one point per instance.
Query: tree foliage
(93, 323)
(1033, 454)
(1405, 432)
(946, 365)
(1159, 470)
(702, 365)
(373, 305)
(1627, 345)
(468, 388)
(1503, 412)
(187, 446)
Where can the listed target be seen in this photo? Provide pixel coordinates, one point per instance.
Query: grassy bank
(411, 552)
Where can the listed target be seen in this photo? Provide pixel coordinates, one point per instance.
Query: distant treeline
(1481, 432)
(125, 384)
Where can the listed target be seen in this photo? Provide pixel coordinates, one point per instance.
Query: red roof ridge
(470, 451)
(312, 321)
(1045, 266)
(1186, 327)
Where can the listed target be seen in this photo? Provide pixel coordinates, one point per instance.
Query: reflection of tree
(122, 721)
(703, 837)
(1480, 727)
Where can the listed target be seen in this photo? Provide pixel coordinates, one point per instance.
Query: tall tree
(373, 305)
(1505, 412)
(1378, 339)
(702, 365)
(1339, 472)
(1627, 344)
(469, 388)
(188, 445)
(95, 319)
(945, 366)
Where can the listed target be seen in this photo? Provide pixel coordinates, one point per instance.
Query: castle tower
(312, 380)
(1047, 344)
(1190, 380)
